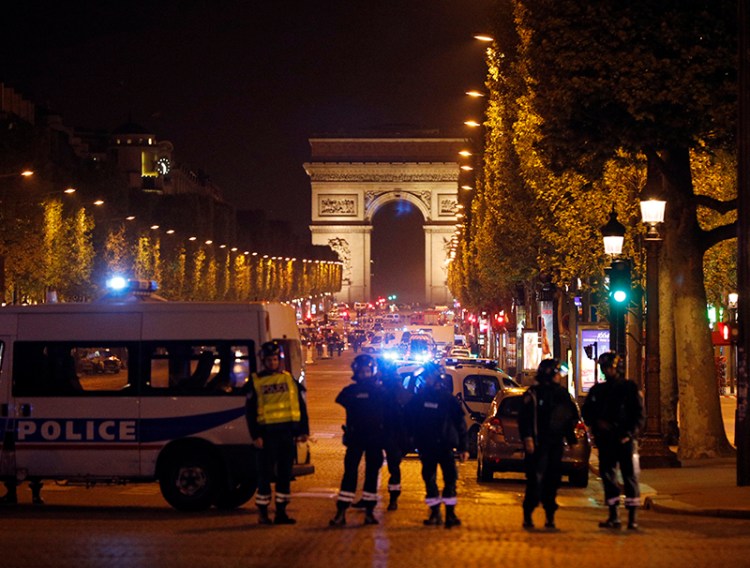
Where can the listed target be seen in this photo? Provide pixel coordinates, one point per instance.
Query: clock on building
(163, 166)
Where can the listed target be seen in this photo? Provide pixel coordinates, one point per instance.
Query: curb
(671, 506)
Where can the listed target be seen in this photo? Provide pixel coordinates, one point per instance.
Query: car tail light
(580, 430)
(495, 426)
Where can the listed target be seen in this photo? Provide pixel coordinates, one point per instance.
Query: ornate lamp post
(654, 450)
(619, 282)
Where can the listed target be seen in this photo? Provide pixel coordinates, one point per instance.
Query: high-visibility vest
(277, 399)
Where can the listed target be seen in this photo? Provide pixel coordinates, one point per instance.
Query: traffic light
(619, 283)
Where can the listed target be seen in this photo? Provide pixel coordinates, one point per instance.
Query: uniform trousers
(543, 474)
(393, 456)
(373, 463)
(431, 459)
(611, 454)
(275, 461)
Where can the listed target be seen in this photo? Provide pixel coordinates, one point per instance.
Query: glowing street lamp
(654, 450)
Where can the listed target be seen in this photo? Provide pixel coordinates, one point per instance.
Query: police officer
(363, 434)
(437, 423)
(613, 410)
(547, 418)
(396, 398)
(277, 419)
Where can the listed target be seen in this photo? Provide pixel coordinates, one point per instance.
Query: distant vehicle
(420, 348)
(98, 361)
(475, 386)
(392, 318)
(500, 448)
(460, 352)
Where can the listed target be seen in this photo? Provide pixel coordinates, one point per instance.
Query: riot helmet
(269, 349)
(362, 362)
(547, 370)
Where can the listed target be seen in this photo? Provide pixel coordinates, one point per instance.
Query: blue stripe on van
(162, 429)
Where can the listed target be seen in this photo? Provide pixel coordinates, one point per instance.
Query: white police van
(137, 391)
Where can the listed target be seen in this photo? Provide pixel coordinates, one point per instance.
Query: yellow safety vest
(277, 399)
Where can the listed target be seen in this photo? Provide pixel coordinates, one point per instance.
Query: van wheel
(236, 496)
(579, 478)
(190, 481)
(473, 434)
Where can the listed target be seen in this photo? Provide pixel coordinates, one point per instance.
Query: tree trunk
(701, 427)
(668, 376)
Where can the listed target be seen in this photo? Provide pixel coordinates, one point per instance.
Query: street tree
(655, 78)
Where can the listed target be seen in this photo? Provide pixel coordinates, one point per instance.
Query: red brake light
(580, 430)
(495, 425)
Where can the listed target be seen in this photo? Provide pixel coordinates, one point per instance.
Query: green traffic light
(619, 296)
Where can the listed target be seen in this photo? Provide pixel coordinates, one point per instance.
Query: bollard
(325, 351)
(309, 355)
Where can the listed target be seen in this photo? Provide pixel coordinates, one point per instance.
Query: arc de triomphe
(352, 178)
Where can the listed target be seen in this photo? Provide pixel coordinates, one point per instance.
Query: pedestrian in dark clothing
(363, 435)
(436, 420)
(277, 419)
(613, 410)
(396, 437)
(546, 420)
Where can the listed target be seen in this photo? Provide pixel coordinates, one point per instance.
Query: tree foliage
(586, 100)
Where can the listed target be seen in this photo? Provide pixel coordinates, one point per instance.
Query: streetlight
(654, 450)
(23, 173)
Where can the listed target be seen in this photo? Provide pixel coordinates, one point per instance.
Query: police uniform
(547, 418)
(436, 420)
(396, 397)
(363, 435)
(613, 410)
(277, 413)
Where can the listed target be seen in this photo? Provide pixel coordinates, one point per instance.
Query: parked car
(500, 448)
(475, 382)
(99, 361)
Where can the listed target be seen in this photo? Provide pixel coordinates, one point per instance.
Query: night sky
(239, 86)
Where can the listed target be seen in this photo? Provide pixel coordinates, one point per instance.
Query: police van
(138, 391)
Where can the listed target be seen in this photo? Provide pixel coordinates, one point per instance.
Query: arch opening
(398, 252)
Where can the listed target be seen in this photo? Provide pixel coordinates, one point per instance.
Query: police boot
(340, 519)
(369, 517)
(435, 517)
(393, 503)
(263, 518)
(36, 492)
(451, 520)
(632, 518)
(528, 522)
(281, 517)
(613, 521)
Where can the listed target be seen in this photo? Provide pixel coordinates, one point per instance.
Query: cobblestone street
(132, 525)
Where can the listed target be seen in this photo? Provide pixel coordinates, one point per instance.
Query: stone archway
(352, 178)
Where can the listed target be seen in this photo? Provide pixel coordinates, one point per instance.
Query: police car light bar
(120, 284)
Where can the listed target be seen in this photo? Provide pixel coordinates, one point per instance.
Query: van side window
(55, 368)
(205, 368)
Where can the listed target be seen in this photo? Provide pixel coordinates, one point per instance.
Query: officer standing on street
(277, 419)
(396, 398)
(437, 422)
(363, 434)
(614, 412)
(547, 418)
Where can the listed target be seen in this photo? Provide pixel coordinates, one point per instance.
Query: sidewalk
(700, 487)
